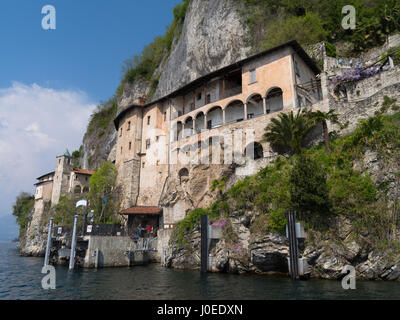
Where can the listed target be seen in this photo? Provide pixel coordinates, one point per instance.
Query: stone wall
(111, 251)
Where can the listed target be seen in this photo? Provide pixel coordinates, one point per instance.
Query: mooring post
(73, 244)
(293, 248)
(204, 244)
(48, 245)
(96, 259)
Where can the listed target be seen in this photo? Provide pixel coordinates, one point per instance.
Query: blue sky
(86, 51)
(51, 80)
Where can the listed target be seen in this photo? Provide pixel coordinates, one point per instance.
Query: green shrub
(308, 189)
(102, 116)
(22, 209)
(307, 29)
(272, 22)
(330, 49)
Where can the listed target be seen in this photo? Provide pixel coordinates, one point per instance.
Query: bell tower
(61, 177)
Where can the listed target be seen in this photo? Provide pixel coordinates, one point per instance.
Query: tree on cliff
(308, 190)
(103, 194)
(322, 117)
(288, 130)
(22, 209)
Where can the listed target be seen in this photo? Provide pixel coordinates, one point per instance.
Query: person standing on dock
(148, 228)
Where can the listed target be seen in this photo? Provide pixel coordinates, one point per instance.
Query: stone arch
(214, 117)
(179, 128)
(255, 106)
(274, 99)
(234, 111)
(183, 175)
(254, 150)
(77, 189)
(85, 189)
(199, 122)
(188, 130)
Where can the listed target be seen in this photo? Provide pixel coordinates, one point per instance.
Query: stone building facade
(174, 147)
(50, 187)
(63, 180)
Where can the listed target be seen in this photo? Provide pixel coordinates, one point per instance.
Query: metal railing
(91, 229)
(106, 230)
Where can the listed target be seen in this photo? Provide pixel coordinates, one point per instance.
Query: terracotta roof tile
(141, 210)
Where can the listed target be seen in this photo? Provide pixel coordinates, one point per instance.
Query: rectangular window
(130, 145)
(250, 116)
(199, 96)
(129, 126)
(253, 76)
(143, 164)
(165, 116)
(147, 143)
(148, 120)
(120, 134)
(208, 99)
(209, 124)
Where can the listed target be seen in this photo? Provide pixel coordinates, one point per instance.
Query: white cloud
(36, 125)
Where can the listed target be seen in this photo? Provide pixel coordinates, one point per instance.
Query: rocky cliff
(327, 253)
(212, 37)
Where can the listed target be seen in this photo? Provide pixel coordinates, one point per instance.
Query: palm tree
(317, 117)
(288, 130)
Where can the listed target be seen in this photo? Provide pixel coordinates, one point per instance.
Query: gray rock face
(182, 257)
(34, 242)
(98, 149)
(212, 37)
(269, 253)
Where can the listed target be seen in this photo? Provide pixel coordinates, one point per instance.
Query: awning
(141, 210)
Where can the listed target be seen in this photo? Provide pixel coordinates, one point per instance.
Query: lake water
(20, 278)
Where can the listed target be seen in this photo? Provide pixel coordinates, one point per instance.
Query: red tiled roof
(83, 171)
(141, 210)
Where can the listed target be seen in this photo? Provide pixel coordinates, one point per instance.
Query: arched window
(254, 150)
(234, 112)
(274, 100)
(77, 189)
(255, 106)
(85, 190)
(183, 175)
(179, 130)
(199, 123)
(188, 131)
(214, 117)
